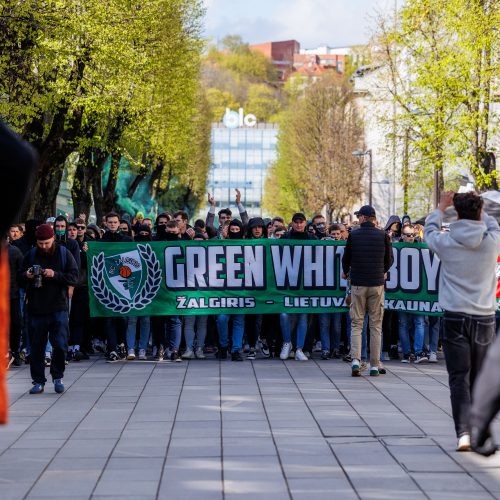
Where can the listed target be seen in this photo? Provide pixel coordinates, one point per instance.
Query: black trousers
(486, 393)
(55, 328)
(466, 339)
(15, 324)
(79, 317)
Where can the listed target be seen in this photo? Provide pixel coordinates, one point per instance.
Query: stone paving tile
(217, 430)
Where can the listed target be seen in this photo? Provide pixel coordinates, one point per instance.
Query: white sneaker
(385, 356)
(433, 357)
(285, 350)
(463, 443)
(188, 354)
(131, 354)
(142, 354)
(300, 356)
(199, 353)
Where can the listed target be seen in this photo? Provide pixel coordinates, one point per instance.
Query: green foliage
(119, 78)
(315, 167)
(442, 61)
(238, 76)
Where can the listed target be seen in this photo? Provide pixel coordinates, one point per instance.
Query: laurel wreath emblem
(143, 298)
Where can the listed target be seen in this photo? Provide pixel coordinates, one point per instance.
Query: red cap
(44, 232)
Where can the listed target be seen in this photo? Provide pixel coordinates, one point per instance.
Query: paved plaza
(262, 430)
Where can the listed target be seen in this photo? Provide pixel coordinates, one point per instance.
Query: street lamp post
(368, 153)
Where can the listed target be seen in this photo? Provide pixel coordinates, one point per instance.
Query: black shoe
(264, 349)
(252, 354)
(325, 355)
(347, 358)
(236, 356)
(393, 352)
(79, 356)
(113, 357)
(17, 361)
(159, 354)
(222, 353)
(335, 354)
(174, 356)
(482, 442)
(121, 350)
(69, 356)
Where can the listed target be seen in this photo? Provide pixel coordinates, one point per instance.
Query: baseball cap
(366, 210)
(298, 216)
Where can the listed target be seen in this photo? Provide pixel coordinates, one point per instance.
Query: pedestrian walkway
(222, 430)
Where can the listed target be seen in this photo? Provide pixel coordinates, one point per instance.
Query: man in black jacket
(47, 299)
(367, 258)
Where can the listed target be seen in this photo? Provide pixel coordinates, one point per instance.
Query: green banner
(245, 277)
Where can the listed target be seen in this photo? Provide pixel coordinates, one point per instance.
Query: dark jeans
(53, 326)
(486, 394)
(116, 330)
(79, 317)
(466, 339)
(167, 331)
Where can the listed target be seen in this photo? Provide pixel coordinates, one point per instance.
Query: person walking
(367, 259)
(467, 294)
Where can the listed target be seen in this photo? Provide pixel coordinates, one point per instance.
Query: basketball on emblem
(125, 272)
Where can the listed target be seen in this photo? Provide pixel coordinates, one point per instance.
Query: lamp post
(368, 153)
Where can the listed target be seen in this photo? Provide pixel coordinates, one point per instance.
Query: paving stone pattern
(265, 429)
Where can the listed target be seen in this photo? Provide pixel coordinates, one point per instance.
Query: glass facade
(240, 159)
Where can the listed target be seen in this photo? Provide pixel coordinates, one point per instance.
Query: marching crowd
(406, 336)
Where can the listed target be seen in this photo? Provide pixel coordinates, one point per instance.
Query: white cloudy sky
(311, 22)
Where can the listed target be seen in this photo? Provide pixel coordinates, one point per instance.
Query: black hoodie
(392, 220)
(256, 222)
(235, 236)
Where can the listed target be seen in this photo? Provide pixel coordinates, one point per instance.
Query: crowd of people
(410, 337)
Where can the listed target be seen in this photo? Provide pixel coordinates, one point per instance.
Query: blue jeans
(238, 330)
(144, 326)
(404, 335)
(288, 322)
(330, 327)
(189, 330)
(432, 326)
(55, 327)
(174, 332)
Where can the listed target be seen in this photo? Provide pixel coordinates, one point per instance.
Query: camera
(37, 271)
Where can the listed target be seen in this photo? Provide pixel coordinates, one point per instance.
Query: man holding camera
(48, 269)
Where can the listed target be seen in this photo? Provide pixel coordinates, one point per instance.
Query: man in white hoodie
(467, 294)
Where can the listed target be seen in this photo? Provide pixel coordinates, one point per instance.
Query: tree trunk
(109, 196)
(81, 189)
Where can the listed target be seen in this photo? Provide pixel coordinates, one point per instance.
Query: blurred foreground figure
(17, 165)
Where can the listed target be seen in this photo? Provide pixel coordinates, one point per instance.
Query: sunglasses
(410, 235)
(81, 227)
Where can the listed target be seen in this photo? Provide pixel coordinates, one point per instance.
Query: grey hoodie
(468, 254)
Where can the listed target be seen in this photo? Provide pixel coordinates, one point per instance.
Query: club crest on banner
(126, 281)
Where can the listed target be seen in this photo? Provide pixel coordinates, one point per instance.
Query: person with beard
(115, 327)
(297, 320)
(142, 234)
(48, 305)
(256, 229)
(235, 232)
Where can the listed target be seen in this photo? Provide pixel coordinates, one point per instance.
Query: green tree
(262, 102)
(442, 61)
(315, 167)
(115, 79)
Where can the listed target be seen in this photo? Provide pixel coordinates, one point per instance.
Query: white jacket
(468, 254)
